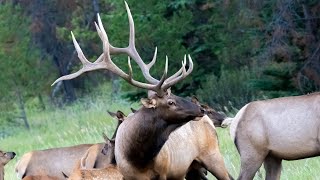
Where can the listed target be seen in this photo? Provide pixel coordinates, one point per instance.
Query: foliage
(276, 80)
(23, 74)
(266, 49)
(230, 91)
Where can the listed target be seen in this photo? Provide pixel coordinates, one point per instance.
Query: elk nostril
(14, 154)
(202, 111)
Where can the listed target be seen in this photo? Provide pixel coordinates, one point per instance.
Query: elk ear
(148, 103)
(112, 114)
(112, 141)
(133, 110)
(121, 115)
(105, 137)
(195, 100)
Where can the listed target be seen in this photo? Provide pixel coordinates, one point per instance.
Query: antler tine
(177, 73)
(105, 62)
(156, 88)
(132, 51)
(86, 65)
(153, 59)
(112, 67)
(163, 78)
(183, 75)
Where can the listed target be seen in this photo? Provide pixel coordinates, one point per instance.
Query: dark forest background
(242, 49)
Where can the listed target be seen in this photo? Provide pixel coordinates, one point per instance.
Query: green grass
(83, 122)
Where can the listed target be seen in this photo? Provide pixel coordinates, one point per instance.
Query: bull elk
(140, 138)
(5, 157)
(269, 131)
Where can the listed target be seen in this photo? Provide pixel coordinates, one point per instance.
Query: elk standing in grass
(266, 132)
(142, 135)
(53, 162)
(5, 157)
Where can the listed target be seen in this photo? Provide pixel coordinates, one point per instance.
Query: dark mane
(149, 139)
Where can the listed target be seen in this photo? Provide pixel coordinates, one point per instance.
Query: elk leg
(272, 166)
(251, 161)
(214, 163)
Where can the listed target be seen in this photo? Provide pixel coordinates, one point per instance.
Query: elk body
(5, 157)
(267, 132)
(194, 141)
(92, 157)
(52, 162)
(110, 171)
(43, 177)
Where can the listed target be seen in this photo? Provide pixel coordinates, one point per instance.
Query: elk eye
(171, 103)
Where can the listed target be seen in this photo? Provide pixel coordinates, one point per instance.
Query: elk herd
(170, 137)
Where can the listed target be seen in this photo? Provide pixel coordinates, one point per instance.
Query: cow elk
(82, 170)
(92, 157)
(269, 131)
(196, 144)
(5, 157)
(109, 172)
(51, 162)
(216, 117)
(43, 177)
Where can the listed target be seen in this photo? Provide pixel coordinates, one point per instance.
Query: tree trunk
(42, 13)
(42, 104)
(22, 108)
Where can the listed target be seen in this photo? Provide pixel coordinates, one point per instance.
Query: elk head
(216, 117)
(162, 99)
(120, 117)
(172, 108)
(5, 157)
(108, 149)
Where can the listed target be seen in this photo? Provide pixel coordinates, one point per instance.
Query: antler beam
(104, 62)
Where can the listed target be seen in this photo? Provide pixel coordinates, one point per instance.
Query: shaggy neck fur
(150, 135)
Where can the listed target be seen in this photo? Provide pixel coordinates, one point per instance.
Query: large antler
(104, 62)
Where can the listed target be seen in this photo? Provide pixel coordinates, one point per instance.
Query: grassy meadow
(84, 122)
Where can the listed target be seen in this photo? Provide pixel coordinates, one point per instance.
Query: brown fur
(52, 162)
(272, 130)
(109, 172)
(44, 177)
(92, 158)
(141, 136)
(5, 157)
(216, 117)
(196, 140)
